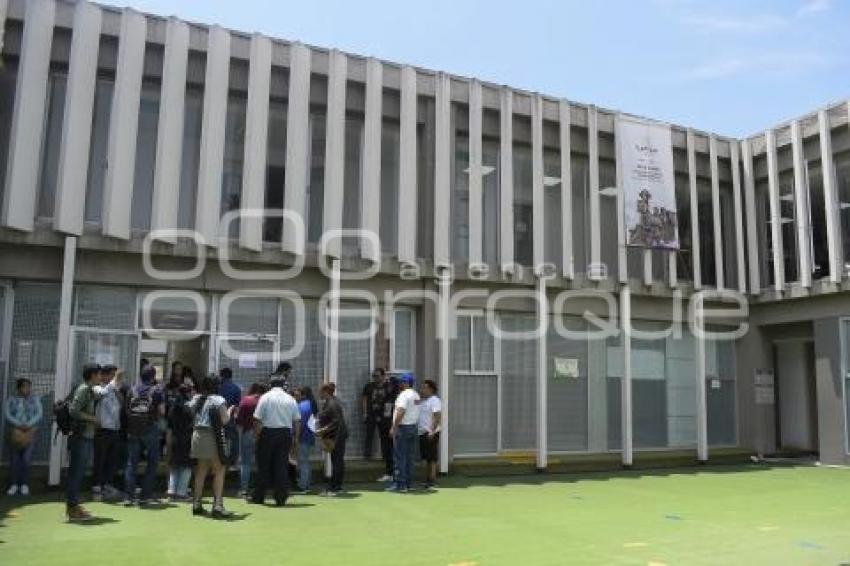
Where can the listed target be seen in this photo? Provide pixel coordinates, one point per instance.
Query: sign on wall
(648, 184)
(764, 386)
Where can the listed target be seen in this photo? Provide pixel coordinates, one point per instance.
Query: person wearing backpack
(180, 421)
(81, 409)
(145, 407)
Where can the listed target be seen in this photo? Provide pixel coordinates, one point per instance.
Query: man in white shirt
(277, 423)
(404, 432)
(430, 412)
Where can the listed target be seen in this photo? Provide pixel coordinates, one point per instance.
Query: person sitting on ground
(205, 449)
(430, 413)
(334, 432)
(23, 413)
(107, 438)
(82, 411)
(145, 407)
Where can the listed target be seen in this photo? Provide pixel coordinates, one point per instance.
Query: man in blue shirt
(230, 391)
(144, 408)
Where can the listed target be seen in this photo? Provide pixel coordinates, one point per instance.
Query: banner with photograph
(648, 184)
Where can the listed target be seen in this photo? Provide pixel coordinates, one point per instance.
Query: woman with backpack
(180, 423)
(208, 407)
(145, 407)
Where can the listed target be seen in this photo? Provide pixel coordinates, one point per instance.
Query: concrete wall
(830, 392)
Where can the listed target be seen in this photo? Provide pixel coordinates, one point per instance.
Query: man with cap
(404, 431)
(277, 424)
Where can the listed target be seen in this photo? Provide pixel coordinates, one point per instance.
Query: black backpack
(65, 423)
(140, 413)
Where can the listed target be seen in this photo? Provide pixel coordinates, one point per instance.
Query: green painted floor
(708, 515)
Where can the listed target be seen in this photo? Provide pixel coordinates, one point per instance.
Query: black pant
(337, 464)
(383, 428)
(106, 446)
(273, 447)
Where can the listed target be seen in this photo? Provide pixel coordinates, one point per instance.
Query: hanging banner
(648, 184)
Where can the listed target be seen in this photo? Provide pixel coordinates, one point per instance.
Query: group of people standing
(400, 415)
(208, 425)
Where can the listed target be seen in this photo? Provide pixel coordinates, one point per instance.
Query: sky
(729, 67)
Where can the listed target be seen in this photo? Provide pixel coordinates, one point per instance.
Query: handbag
(328, 443)
(21, 438)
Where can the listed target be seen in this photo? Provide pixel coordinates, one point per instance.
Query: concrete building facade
(172, 190)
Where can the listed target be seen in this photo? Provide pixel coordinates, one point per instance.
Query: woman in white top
(204, 448)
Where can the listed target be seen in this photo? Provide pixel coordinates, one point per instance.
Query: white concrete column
(734, 158)
(752, 235)
(672, 270)
(622, 263)
(695, 233)
(333, 324)
(124, 125)
(542, 373)
(475, 173)
(335, 149)
(566, 189)
(831, 202)
(23, 165)
(593, 169)
(407, 194)
(801, 206)
(297, 143)
(69, 210)
(444, 339)
(715, 210)
(213, 122)
(701, 400)
(775, 211)
(442, 171)
(506, 178)
(256, 142)
(169, 133)
(626, 383)
(537, 203)
(64, 378)
(370, 211)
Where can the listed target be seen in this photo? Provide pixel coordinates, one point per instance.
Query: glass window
(518, 384)
(174, 313)
(51, 143)
(191, 157)
(842, 186)
(491, 189)
(425, 149)
(705, 213)
(99, 148)
(608, 218)
(404, 340)
(684, 261)
(460, 184)
(251, 315)
(105, 307)
(523, 205)
(567, 402)
(817, 220)
(275, 169)
(763, 232)
(234, 149)
(474, 346)
(145, 157)
(388, 229)
(316, 187)
(720, 392)
(580, 195)
(7, 104)
(353, 180)
(788, 216)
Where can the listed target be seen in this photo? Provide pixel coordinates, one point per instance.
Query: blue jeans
(178, 481)
(246, 458)
(405, 455)
(305, 468)
(135, 444)
(80, 449)
(19, 464)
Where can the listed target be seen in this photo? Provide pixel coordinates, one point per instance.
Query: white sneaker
(25, 490)
(385, 478)
(13, 490)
